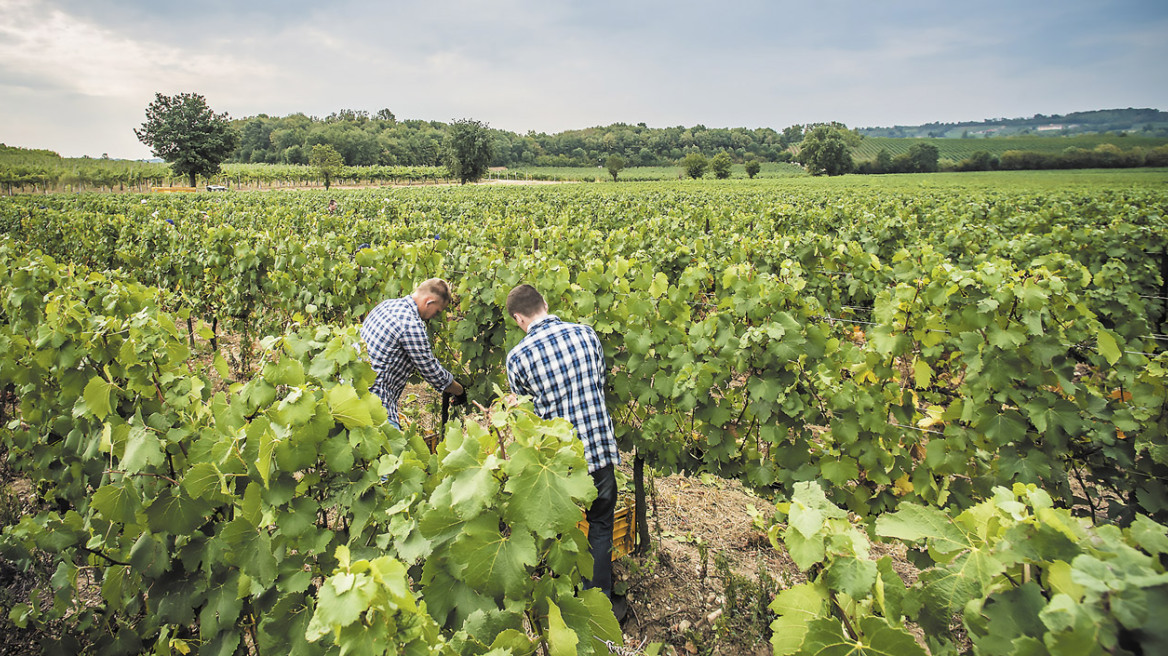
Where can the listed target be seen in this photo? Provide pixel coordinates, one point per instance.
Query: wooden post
(642, 528)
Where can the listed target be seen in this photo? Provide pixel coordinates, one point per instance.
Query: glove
(459, 399)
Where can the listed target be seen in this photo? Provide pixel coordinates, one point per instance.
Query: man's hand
(457, 392)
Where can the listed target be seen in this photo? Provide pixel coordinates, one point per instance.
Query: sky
(76, 75)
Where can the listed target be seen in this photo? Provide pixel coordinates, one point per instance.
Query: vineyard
(44, 173)
(971, 368)
(959, 149)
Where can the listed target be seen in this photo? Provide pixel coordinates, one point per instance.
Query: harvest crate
(624, 530)
(173, 190)
(432, 440)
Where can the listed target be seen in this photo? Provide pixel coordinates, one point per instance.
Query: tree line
(365, 139)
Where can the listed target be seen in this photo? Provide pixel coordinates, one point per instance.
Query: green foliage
(753, 166)
(825, 150)
(1024, 577)
(261, 514)
(720, 165)
(615, 164)
(327, 162)
(694, 165)
(183, 130)
(467, 150)
(1007, 336)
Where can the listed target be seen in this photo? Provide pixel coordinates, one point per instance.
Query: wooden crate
(432, 440)
(624, 530)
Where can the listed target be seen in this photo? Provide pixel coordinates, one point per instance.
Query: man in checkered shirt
(395, 338)
(560, 365)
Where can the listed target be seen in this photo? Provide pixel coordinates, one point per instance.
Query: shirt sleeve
(515, 378)
(599, 346)
(416, 343)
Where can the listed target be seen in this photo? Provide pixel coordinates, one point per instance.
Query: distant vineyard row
(959, 149)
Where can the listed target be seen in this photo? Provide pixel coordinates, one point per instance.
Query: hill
(959, 149)
(1148, 122)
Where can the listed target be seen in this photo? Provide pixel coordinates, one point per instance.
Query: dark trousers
(599, 518)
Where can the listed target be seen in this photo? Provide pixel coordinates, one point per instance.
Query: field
(769, 170)
(959, 149)
(871, 414)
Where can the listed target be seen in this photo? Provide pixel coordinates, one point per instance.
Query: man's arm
(515, 378)
(417, 346)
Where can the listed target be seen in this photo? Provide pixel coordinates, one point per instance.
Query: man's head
(431, 297)
(525, 304)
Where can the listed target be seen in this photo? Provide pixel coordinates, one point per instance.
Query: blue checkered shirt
(561, 367)
(396, 341)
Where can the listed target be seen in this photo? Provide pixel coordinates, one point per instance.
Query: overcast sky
(76, 75)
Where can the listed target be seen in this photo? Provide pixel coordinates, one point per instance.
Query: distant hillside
(959, 149)
(1145, 122)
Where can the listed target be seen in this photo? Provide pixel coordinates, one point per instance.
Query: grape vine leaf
(97, 396)
(561, 639)
(117, 502)
(544, 494)
(491, 562)
(915, 523)
(796, 608)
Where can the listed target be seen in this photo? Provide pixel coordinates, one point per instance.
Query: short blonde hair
(435, 287)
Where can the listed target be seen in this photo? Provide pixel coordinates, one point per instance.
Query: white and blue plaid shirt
(561, 367)
(396, 341)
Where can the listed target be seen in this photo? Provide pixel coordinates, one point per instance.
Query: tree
(924, 157)
(615, 164)
(825, 151)
(752, 168)
(184, 132)
(468, 148)
(695, 165)
(720, 165)
(327, 162)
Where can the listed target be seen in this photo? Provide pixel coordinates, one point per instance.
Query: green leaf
(143, 450)
(945, 590)
(803, 550)
(852, 576)
(287, 371)
(825, 637)
(922, 374)
(545, 495)
(175, 513)
(346, 406)
(659, 286)
(221, 367)
(117, 502)
(561, 639)
(1108, 346)
(1001, 428)
(1151, 537)
(97, 396)
(1009, 615)
(205, 481)
(796, 607)
(493, 563)
(915, 523)
(343, 598)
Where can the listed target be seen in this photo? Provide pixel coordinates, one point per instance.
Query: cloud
(68, 54)
(524, 65)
